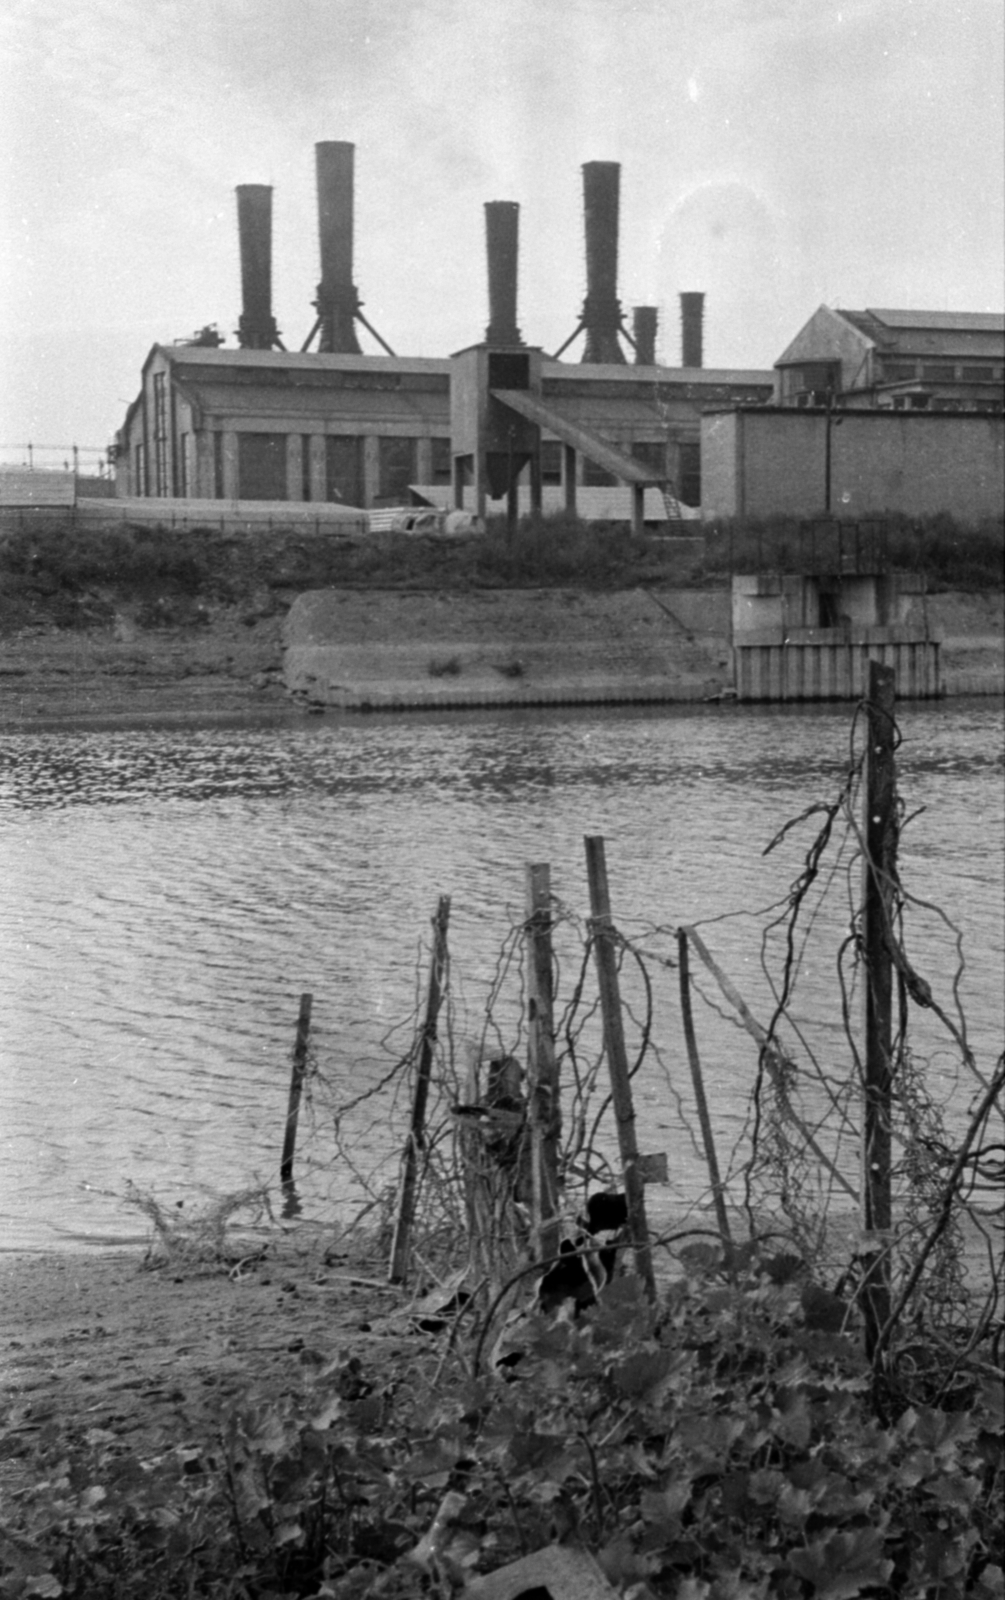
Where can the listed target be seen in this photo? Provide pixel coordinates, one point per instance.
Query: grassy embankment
(71, 578)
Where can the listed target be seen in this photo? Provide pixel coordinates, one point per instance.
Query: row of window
(262, 467)
(937, 372)
(821, 376)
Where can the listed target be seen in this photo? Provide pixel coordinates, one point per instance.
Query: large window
(689, 472)
(652, 453)
(397, 469)
(595, 477)
(551, 461)
(261, 466)
(898, 371)
(160, 433)
(344, 469)
(442, 464)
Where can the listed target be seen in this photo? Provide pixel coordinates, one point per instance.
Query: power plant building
(614, 435)
(333, 425)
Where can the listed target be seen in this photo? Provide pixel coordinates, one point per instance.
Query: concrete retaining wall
(362, 649)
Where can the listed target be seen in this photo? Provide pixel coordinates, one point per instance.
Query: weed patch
(445, 667)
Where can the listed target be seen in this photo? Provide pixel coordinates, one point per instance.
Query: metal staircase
(671, 503)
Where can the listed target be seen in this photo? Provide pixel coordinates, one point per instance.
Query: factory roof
(943, 335)
(944, 321)
(218, 357)
(280, 403)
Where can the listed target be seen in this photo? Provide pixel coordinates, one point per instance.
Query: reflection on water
(168, 895)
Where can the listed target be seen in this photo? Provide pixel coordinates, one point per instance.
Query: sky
(776, 154)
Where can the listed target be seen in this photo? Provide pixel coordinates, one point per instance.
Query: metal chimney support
(256, 329)
(692, 313)
(502, 231)
(601, 308)
(644, 320)
(337, 302)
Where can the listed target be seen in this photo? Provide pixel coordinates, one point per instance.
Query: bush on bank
(64, 574)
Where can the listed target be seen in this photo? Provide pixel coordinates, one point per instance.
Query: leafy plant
(719, 1443)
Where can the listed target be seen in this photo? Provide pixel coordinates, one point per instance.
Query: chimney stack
(644, 333)
(502, 232)
(601, 309)
(692, 314)
(337, 302)
(256, 329)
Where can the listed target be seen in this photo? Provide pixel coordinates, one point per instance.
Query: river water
(167, 896)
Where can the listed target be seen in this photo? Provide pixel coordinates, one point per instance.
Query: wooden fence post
(604, 949)
(543, 1087)
(296, 1088)
(417, 1132)
(879, 886)
(718, 1197)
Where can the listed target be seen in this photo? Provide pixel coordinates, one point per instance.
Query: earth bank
(143, 660)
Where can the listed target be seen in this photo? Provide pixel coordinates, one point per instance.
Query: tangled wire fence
(806, 1110)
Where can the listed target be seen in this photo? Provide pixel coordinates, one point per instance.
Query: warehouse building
(334, 425)
(896, 360)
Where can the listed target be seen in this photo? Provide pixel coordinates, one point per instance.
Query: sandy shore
(157, 1356)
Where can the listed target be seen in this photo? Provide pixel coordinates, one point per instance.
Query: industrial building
(896, 360)
(769, 461)
(609, 436)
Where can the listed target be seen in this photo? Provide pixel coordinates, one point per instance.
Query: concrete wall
(773, 462)
(36, 486)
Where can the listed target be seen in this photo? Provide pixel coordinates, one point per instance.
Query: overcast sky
(777, 154)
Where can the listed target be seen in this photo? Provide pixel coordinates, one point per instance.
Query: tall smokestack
(644, 333)
(502, 232)
(256, 329)
(337, 302)
(601, 309)
(692, 314)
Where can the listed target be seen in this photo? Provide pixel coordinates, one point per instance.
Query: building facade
(212, 423)
(783, 461)
(896, 360)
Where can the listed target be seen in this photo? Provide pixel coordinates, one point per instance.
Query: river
(168, 894)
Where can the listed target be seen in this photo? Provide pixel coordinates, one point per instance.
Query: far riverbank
(226, 662)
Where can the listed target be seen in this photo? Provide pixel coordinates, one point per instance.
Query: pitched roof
(967, 334)
(943, 321)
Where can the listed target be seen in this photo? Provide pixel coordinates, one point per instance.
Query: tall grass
(950, 555)
(54, 563)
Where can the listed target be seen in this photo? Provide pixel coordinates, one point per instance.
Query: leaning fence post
(545, 1114)
(604, 943)
(416, 1134)
(296, 1088)
(718, 1197)
(879, 884)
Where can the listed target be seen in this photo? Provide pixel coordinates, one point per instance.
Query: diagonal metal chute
(595, 449)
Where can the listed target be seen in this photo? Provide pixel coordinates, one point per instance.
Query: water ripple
(169, 894)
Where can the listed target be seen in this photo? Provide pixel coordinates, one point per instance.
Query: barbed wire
(789, 1147)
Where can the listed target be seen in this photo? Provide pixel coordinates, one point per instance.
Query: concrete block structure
(786, 461)
(811, 636)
